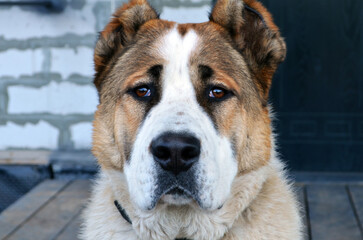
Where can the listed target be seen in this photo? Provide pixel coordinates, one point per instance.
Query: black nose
(175, 152)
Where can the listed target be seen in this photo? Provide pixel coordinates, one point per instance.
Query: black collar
(127, 218)
(122, 212)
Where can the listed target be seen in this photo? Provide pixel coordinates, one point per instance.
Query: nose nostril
(161, 152)
(190, 152)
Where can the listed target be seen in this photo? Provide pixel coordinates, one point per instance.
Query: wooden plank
(24, 208)
(71, 231)
(54, 217)
(357, 199)
(331, 214)
(301, 196)
(327, 177)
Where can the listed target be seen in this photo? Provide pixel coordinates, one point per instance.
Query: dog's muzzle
(176, 155)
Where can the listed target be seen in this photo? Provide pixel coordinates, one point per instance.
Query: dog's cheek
(104, 147)
(236, 129)
(249, 133)
(254, 148)
(128, 118)
(230, 118)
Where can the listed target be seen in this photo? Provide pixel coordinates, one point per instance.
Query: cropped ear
(118, 33)
(255, 35)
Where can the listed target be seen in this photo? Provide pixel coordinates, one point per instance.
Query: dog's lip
(176, 191)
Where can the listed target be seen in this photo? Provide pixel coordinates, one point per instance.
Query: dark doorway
(317, 92)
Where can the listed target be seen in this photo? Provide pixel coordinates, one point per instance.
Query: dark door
(317, 92)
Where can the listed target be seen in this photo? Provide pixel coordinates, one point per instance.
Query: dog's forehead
(199, 44)
(167, 39)
(175, 45)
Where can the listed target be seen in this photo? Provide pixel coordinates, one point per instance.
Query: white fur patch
(179, 111)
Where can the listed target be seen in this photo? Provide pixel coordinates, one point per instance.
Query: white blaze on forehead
(176, 50)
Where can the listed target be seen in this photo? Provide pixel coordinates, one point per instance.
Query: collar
(123, 213)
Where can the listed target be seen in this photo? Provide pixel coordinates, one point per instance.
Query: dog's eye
(217, 93)
(143, 92)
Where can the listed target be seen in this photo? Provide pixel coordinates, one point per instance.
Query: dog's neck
(178, 222)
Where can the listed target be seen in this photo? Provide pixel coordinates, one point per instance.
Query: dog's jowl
(183, 133)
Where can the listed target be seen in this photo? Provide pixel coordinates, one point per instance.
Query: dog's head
(183, 107)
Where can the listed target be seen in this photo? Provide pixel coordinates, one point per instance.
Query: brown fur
(260, 44)
(118, 34)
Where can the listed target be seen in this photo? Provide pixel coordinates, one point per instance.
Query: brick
(82, 135)
(14, 63)
(55, 98)
(186, 14)
(28, 136)
(67, 61)
(33, 24)
(28, 157)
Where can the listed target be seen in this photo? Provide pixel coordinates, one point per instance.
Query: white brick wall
(186, 15)
(56, 98)
(14, 63)
(22, 24)
(82, 135)
(68, 61)
(33, 136)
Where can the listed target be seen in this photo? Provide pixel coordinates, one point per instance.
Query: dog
(183, 131)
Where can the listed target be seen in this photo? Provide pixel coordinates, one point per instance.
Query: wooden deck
(332, 211)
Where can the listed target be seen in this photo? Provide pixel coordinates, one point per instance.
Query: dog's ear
(255, 35)
(118, 33)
